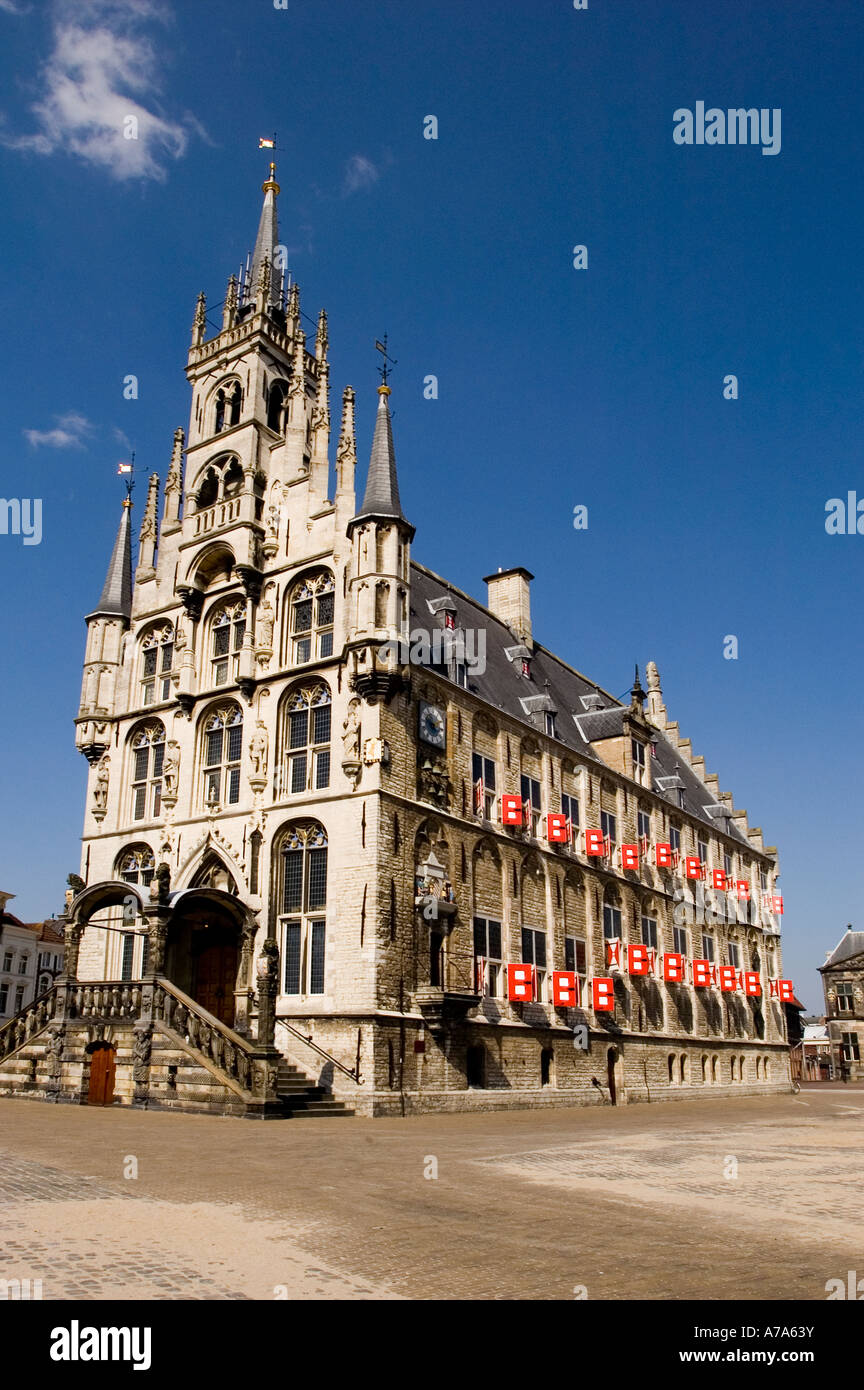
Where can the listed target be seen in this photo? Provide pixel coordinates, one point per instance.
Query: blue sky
(556, 387)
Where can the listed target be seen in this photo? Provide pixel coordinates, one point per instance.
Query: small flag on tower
(124, 468)
(266, 144)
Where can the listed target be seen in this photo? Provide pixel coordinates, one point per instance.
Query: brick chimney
(510, 600)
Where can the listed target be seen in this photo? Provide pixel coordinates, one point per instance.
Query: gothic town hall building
(356, 842)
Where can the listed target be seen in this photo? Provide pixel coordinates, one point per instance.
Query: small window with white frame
(530, 790)
(534, 953)
(483, 777)
(576, 959)
(649, 931)
(487, 956)
(570, 811)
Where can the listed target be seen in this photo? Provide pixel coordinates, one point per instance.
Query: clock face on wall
(432, 725)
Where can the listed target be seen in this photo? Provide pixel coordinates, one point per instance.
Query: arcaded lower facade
(356, 841)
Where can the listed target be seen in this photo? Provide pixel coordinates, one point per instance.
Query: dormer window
(450, 619)
(638, 752)
(549, 721)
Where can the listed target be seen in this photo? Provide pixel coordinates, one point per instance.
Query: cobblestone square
(754, 1199)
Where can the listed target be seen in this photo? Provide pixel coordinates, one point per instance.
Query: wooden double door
(214, 976)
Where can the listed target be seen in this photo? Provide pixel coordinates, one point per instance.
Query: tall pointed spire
(116, 600)
(266, 244)
(382, 486)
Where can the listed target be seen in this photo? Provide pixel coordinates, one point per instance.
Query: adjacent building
(355, 840)
(843, 983)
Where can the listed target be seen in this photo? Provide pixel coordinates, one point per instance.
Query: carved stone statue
(100, 790)
(55, 1054)
(258, 748)
(351, 735)
(141, 1055)
(160, 887)
(268, 988)
(171, 771)
(76, 883)
(264, 629)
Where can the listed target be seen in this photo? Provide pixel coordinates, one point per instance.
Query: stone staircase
(301, 1097)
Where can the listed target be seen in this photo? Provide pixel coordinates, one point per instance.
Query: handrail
(9, 1032)
(354, 1072)
(194, 1007)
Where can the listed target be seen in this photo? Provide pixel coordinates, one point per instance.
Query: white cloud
(69, 432)
(98, 86)
(360, 172)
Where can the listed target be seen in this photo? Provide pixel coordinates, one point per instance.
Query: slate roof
(382, 487)
(116, 600)
(852, 944)
(503, 687)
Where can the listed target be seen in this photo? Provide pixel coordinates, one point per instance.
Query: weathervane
(384, 369)
(128, 470)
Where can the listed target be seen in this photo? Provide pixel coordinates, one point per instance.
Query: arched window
(305, 746)
(208, 492)
(148, 754)
(311, 615)
(229, 400)
(275, 405)
(682, 1067)
(232, 480)
(157, 662)
(223, 744)
(227, 628)
(704, 1068)
(671, 1065)
(137, 865)
(302, 897)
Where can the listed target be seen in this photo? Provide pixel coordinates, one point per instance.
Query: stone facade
(284, 721)
(843, 983)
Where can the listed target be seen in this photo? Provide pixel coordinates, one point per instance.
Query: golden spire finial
(271, 182)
